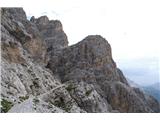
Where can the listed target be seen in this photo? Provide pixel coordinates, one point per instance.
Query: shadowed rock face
(41, 73)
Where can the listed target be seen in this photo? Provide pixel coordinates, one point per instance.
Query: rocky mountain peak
(95, 45)
(43, 20)
(51, 32)
(41, 73)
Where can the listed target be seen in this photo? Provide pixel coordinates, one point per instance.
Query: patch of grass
(23, 98)
(5, 106)
(88, 92)
(70, 87)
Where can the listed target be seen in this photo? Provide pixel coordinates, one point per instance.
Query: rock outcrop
(51, 32)
(25, 80)
(41, 73)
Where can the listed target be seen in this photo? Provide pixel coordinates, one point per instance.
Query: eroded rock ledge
(41, 73)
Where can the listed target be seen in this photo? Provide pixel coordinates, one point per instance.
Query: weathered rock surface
(24, 76)
(51, 32)
(90, 63)
(41, 73)
(17, 31)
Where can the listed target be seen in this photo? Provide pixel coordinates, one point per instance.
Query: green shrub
(5, 106)
(70, 87)
(23, 98)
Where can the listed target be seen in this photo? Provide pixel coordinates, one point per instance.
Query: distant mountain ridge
(156, 86)
(153, 90)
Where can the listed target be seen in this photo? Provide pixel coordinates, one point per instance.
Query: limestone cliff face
(51, 32)
(41, 73)
(90, 63)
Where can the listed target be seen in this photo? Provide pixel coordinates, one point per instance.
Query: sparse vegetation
(5, 106)
(88, 92)
(70, 87)
(61, 103)
(23, 98)
(35, 102)
(67, 109)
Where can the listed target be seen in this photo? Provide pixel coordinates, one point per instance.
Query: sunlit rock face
(41, 73)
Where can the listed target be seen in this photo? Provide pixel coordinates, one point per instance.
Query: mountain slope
(41, 73)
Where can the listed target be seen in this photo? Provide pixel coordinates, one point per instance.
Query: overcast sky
(132, 27)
